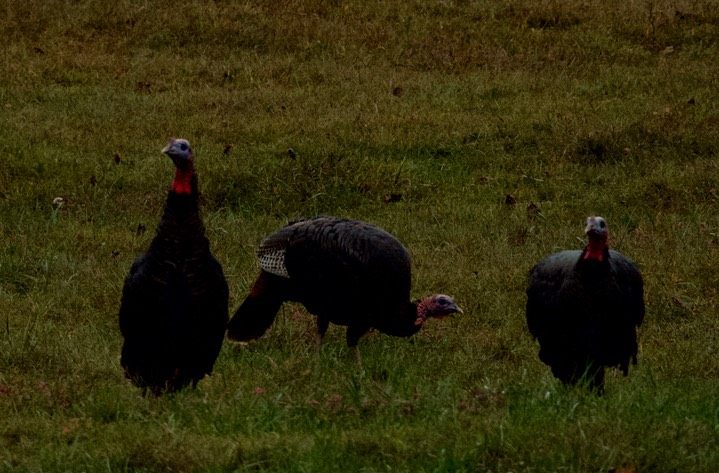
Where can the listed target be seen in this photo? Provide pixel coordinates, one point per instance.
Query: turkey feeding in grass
(174, 312)
(584, 307)
(346, 272)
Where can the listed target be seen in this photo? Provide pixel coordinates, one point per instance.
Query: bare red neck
(595, 249)
(422, 313)
(183, 180)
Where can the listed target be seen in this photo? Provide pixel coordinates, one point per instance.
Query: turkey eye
(602, 224)
(183, 147)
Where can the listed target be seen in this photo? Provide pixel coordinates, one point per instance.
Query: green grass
(419, 116)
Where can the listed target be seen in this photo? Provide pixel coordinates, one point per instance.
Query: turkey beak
(169, 151)
(169, 145)
(591, 227)
(451, 310)
(593, 232)
(456, 310)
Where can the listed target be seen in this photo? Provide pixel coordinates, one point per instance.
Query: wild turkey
(173, 313)
(345, 272)
(584, 308)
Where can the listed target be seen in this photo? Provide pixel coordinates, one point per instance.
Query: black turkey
(173, 313)
(584, 307)
(345, 272)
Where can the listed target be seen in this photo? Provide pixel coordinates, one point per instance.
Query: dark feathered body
(584, 313)
(173, 313)
(345, 272)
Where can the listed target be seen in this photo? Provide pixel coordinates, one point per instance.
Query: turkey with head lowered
(346, 272)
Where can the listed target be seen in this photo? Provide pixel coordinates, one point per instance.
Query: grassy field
(480, 133)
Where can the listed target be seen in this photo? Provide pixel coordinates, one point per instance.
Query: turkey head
(438, 305)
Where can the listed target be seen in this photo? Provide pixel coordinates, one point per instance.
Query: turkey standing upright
(173, 313)
(584, 308)
(345, 272)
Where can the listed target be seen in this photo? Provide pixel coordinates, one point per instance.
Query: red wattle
(183, 182)
(595, 251)
(598, 256)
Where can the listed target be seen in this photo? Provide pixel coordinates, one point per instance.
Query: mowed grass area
(480, 133)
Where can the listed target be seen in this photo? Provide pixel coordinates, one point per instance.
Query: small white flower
(57, 202)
